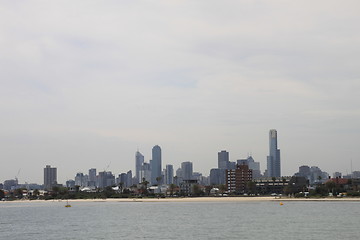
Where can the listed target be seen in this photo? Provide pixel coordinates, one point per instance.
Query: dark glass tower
(155, 164)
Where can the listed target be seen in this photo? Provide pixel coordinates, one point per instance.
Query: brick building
(237, 179)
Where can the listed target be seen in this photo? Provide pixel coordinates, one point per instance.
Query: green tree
(172, 188)
(330, 185)
(196, 190)
(19, 193)
(2, 194)
(208, 190)
(222, 189)
(158, 180)
(143, 189)
(251, 187)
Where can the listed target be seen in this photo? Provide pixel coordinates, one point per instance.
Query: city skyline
(84, 88)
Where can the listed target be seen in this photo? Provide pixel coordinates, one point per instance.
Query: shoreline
(198, 199)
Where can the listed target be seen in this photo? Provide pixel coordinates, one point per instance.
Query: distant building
(337, 175)
(139, 161)
(356, 174)
(105, 179)
(223, 159)
(217, 176)
(50, 177)
(179, 176)
(145, 172)
(155, 164)
(313, 174)
(121, 180)
(81, 180)
(129, 178)
(92, 177)
(10, 184)
(187, 187)
(273, 160)
(169, 174)
(187, 170)
(70, 183)
(254, 166)
(237, 179)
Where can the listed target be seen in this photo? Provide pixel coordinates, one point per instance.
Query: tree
(36, 192)
(251, 187)
(121, 184)
(19, 193)
(172, 188)
(144, 184)
(273, 179)
(158, 179)
(196, 191)
(222, 189)
(2, 194)
(330, 185)
(208, 190)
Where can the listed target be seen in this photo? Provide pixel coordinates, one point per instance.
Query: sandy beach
(199, 199)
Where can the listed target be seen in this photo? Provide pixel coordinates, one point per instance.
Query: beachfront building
(237, 179)
(50, 177)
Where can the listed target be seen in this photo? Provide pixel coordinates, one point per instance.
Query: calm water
(144, 220)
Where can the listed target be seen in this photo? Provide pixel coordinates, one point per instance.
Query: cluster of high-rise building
(233, 174)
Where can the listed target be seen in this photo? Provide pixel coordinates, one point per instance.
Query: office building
(223, 159)
(273, 160)
(237, 179)
(169, 174)
(139, 161)
(156, 165)
(105, 179)
(187, 170)
(92, 177)
(145, 173)
(50, 177)
(217, 176)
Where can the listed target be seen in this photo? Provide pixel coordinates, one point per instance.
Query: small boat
(67, 204)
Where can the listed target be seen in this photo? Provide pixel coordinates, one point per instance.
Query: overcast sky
(86, 83)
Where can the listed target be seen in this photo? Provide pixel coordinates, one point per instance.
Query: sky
(84, 84)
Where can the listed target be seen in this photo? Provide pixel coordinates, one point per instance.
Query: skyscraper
(223, 159)
(273, 160)
(139, 161)
(169, 174)
(155, 164)
(50, 177)
(187, 170)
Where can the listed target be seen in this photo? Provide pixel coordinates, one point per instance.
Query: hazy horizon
(87, 83)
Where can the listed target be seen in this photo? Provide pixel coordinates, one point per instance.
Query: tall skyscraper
(139, 161)
(223, 159)
(169, 174)
(155, 164)
(187, 170)
(273, 160)
(50, 177)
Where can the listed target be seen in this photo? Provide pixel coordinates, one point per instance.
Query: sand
(197, 199)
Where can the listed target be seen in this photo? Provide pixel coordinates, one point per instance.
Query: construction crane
(17, 175)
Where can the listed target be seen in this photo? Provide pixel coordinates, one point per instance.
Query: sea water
(180, 220)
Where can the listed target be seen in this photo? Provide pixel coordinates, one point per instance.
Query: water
(175, 220)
